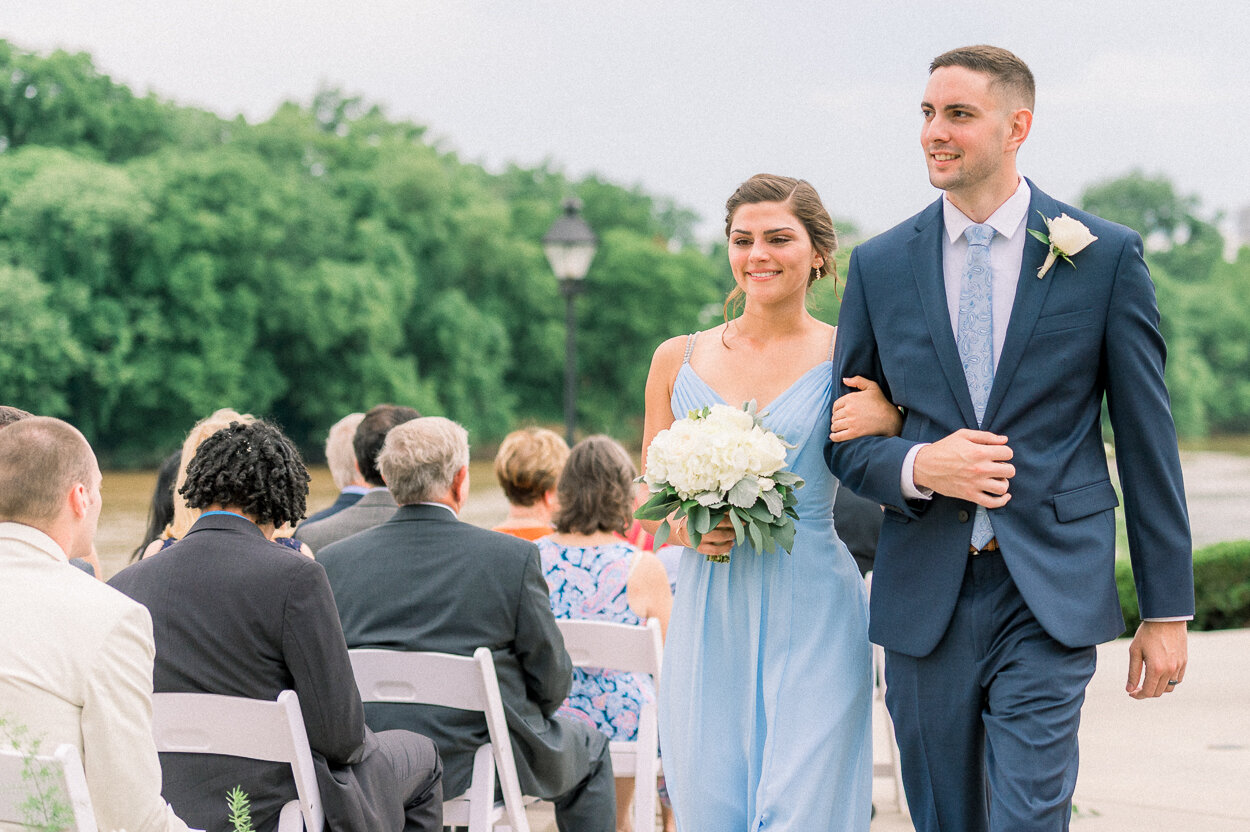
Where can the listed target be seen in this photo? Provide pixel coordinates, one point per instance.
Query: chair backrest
(461, 682)
(626, 647)
(57, 777)
(633, 649)
(206, 723)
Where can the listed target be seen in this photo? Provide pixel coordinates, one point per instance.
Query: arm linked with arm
(870, 465)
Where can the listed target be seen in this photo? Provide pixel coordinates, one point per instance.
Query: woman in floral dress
(594, 574)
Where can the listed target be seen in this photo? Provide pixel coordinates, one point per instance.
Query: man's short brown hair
(1006, 71)
(371, 434)
(41, 459)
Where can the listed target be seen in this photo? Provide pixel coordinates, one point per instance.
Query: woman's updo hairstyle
(801, 199)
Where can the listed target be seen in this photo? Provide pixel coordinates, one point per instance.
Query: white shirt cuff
(911, 491)
(1173, 618)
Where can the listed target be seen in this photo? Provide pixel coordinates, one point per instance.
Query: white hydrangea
(705, 457)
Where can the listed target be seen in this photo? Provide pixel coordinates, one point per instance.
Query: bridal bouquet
(721, 461)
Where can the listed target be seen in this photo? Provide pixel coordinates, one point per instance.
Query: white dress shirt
(1006, 255)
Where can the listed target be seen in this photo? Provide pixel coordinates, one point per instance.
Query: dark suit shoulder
(889, 243)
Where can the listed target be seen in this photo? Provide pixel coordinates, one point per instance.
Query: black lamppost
(570, 246)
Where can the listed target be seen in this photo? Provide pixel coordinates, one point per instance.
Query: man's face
(967, 130)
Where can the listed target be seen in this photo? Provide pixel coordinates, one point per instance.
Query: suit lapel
(925, 252)
(1030, 296)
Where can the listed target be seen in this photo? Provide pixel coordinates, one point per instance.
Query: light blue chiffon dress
(766, 694)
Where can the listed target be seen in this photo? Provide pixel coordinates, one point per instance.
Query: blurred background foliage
(158, 262)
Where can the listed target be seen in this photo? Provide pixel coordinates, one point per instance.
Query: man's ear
(79, 500)
(1021, 123)
(460, 485)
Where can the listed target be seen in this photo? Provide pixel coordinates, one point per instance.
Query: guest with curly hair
(235, 613)
(185, 515)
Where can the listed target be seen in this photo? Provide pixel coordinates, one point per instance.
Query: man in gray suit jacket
(423, 580)
(377, 505)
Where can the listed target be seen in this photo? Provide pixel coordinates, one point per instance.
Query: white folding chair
(893, 767)
(59, 779)
(633, 649)
(467, 684)
(206, 723)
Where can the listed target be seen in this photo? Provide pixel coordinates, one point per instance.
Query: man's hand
(1161, 647)
(968, 465)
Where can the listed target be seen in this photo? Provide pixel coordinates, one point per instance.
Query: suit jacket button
(963, 515)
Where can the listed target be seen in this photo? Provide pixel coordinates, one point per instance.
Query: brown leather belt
(992, 546)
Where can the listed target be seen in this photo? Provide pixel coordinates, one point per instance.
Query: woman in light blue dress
(766, 698)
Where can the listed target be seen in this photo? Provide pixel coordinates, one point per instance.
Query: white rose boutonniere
(1067, 237)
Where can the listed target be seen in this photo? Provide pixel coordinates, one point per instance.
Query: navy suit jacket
(346, 499)
(1083, 332)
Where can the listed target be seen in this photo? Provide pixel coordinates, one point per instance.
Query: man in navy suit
(990, 646)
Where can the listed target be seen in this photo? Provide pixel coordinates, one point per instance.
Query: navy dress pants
(987, 722)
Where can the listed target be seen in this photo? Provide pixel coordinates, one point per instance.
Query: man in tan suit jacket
(76, 657)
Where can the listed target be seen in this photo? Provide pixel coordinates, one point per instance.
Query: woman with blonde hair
(527, 466)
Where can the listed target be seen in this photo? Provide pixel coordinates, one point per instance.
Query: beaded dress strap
(690, 339)
(832, 340)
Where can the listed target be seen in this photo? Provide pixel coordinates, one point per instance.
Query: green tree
(1179, 240)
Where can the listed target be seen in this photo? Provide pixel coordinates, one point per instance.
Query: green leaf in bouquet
(740, 533)
(788, 478)
(774, 501)
(784, 535)
(744, 492)
(759, 511)
(700, 518)
(757, 539)
(750, 407)
(696, 536)
(766, 534)
(660, 505)
(662, 533)
(792, 513)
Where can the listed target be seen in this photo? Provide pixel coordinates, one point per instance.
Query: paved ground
(1176, 764)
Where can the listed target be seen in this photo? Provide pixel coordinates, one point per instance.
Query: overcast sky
(688, 99)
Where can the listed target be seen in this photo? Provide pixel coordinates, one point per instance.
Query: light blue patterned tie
(976, 341)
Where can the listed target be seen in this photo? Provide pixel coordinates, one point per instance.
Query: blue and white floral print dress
(589, 583)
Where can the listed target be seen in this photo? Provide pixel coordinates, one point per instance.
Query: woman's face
(770, 252)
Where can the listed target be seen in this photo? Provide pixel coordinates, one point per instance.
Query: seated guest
(377, 505)
(341, 460)
(161, 510)
(424, 580)
(236, 614)
(76, 657)
(595, 575)
(527, 467)
(184, 515)
(88, 561)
